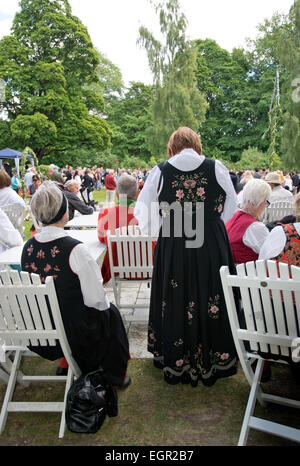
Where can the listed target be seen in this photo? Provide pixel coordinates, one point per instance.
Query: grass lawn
(152, 413)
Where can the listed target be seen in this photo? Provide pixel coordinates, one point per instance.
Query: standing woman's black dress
(189, 332)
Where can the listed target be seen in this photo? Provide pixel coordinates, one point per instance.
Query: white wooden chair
(16, 214)
(270, 300)
(135, 259)
(25, 319)
(277, 210)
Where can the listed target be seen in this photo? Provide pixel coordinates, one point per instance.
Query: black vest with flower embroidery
(197, 187)
(52, 259)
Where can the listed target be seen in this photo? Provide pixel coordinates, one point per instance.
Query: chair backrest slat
(33, 307)
(256, 304)
(126, 263)
(267, 304)
(295, 273)
(8, 321)
(24, 320)
(247, 306)
(278, 304)
(288, 299)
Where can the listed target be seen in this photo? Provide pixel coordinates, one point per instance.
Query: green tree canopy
(177, 101)
(290, 59)
(130, 118)
(47, 63)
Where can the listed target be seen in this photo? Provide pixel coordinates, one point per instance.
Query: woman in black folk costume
(93, 326)
(189, 333)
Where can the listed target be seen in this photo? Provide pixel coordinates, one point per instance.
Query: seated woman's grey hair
(46, 202)
(127, 185)
(255, 192)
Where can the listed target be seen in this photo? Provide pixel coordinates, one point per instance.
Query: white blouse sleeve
(147, 206)
(224, 180)
(89, 274)
(255, 236)
(273, 244)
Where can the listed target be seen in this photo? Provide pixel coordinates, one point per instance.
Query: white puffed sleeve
(273, 244)
(147, 206)
(224, 180)
(89, 274)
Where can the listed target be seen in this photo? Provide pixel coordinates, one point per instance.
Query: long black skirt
(189, 333)
(98, 339)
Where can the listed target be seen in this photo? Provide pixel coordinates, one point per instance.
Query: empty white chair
(270, 302)
(277, 210)
(16, 214)
(26, 306)
(134, 255)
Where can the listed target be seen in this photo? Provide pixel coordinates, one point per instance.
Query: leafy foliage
(290, 58)
(177, 101)
(46, 62)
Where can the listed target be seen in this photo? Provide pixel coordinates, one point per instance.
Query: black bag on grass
(89, 400)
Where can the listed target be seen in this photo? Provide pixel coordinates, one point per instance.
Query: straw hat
(273, 178)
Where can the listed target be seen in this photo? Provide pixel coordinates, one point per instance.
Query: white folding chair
(270, 301)
(26, 306)
(135, 258)
(277, 210)
(16, 214)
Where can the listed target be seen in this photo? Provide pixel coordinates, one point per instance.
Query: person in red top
(110, 186)
(246, 232)
(122, 214)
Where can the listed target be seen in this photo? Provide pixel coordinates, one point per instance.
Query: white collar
(186, 160)
(49, 233)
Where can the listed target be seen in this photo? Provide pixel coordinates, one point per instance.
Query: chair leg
(10, 389)
(7, 366)
(3, 376)
(255, 388)
(69, 382)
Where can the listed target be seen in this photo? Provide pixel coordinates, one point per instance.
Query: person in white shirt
(93, 326)
(278, 192)
(28, 176)
(245, 229)
(7, 194)
(9, 236)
